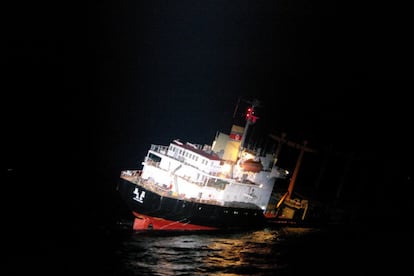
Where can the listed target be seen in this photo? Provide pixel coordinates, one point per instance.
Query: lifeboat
(252, 166)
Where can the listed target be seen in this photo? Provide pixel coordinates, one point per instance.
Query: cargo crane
(292, 206)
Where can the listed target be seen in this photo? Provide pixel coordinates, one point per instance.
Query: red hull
(142, 222)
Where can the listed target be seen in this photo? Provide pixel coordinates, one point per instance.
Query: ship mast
(250, 120)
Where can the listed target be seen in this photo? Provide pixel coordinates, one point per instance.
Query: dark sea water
(260, 252)
(339, 250)
(335, 250)
(46, 238)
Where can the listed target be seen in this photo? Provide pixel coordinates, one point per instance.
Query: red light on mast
(249, 113)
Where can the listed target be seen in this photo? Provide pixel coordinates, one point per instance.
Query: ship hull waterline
(153, 211)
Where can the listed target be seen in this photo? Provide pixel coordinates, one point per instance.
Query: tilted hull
(225, 185)
(154, 211)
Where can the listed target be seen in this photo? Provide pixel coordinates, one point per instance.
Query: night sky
(88, 88)
(329, 73)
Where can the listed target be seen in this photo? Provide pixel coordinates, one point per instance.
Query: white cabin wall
(190, 190)
(265, 194)
(237, 192)
(159, 176)
(219, 144)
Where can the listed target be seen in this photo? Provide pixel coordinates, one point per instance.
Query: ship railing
(196, 167)
(149, 161)
(164, 150)
(156, 164)
(188, 179)
(151, 185)
(131, 174)
(159, 148)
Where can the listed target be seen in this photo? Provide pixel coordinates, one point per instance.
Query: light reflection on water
(247, 253)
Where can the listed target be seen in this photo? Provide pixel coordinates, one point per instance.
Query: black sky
(330, 72)
(87, 88)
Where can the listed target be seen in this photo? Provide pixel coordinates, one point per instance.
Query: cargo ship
(222, 186)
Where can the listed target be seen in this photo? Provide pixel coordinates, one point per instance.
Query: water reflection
(247, 253)
(250, 252)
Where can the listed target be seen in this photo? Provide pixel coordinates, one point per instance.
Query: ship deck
(134, 177)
